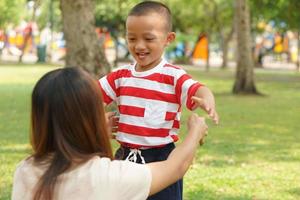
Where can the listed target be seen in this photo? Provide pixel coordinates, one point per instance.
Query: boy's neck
(139, 68)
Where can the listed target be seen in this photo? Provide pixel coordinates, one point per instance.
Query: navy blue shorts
(174, 191)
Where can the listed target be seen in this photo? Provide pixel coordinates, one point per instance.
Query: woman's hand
(197, 125)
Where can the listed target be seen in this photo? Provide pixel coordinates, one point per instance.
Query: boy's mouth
(142, 55)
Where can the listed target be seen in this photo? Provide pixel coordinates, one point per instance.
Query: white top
(98, 178)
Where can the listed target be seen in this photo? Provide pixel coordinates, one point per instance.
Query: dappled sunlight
(271, 128)
(254, 149)
(15, 148)
(245, 51)
(252, 179)
(295, 191)
(22, 75)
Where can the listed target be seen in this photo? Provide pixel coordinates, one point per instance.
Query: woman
(72, 155)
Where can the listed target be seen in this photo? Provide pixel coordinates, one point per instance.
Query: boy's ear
(171, 37)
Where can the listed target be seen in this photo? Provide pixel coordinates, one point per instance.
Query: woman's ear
(171, 37)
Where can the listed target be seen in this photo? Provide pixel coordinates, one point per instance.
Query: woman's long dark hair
(68, 123)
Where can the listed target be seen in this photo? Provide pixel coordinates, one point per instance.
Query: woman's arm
(166, 172)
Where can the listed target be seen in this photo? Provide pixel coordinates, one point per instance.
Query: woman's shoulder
(27, 172)
(25, 164)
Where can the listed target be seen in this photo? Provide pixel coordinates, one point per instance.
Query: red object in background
(27, 30)
(2, 36)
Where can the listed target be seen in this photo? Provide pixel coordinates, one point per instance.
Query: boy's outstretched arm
(205, 100)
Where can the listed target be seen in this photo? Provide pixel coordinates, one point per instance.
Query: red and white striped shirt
(149, 102)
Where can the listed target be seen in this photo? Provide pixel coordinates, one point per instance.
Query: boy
(150, 93)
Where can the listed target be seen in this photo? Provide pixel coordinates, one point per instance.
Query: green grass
(254, 154)
(16, 84)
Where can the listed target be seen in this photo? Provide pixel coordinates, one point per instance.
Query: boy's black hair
(147, 7)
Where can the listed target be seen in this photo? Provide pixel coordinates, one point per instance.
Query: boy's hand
(112, 122)
(209, 109)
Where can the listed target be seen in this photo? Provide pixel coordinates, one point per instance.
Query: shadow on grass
(278, 78)
(7, 151)
(295, 192)
(230, 94)
(239, 153)
(202, 194)
(5, 192)
(17, 64)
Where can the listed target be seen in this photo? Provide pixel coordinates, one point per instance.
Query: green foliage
(214, 17)
(253, 154)
(207, 15)
(189, 16)
(14, 10)
(50, 11)
(284, 13)
(112, 14)
(10, 11)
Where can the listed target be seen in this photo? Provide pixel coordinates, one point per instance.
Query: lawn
(254, 154)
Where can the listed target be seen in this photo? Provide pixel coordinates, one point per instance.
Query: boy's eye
(149, 39)
(131, 39)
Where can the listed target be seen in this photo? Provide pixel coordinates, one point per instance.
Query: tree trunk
(225, 44)
(83, 48)
(244, 80)
(207, 66)
(224, 54)
(298, 52)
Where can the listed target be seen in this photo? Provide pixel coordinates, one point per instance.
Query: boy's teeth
(141, 55)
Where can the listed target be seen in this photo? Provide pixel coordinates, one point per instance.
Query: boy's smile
(147, 37)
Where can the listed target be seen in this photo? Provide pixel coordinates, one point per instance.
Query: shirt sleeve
(108, 87)
(133, 180)
(185, 88)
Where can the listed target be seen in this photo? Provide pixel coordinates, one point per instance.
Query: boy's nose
(140, 45)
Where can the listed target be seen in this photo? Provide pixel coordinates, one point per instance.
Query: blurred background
(245, 51)
(32, 31)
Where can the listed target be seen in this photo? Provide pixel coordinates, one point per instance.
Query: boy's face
(147, 37)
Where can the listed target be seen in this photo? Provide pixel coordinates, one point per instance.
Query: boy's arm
(205, 100)
(194, 94)
(112, 122)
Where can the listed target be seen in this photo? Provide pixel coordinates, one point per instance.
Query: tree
(244, 80)
(224, 20)
(50, 15)
(11, 11)
(190, 17)
(213, 17)
(83, 48)
(286, 12)
(111, 14)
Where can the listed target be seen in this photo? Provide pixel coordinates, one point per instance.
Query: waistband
(170, 145)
